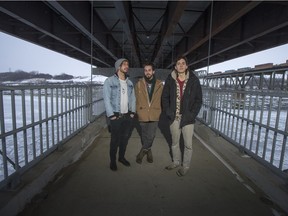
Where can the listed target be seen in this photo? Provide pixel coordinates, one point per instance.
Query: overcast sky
(16, 54)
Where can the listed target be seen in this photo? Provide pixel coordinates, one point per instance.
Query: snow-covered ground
(99, 79)
(95, 79)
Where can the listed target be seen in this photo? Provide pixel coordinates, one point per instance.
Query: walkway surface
(89, 187)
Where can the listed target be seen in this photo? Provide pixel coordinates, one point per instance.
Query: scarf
(150, 86)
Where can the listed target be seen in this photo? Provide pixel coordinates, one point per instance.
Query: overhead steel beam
(44, 24)
(70, 17)
(125, 15)
(248, 31)
(172, 16)
(238, 28)
(225, 14)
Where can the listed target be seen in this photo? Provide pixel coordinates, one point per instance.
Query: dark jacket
(190, 103)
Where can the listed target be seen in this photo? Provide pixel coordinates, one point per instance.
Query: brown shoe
(140, 155)
(149, 156)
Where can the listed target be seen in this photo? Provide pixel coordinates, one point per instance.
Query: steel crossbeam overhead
(99, 32)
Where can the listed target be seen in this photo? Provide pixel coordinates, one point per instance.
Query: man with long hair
(181, 100)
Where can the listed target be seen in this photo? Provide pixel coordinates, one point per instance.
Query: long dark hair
(181, 57)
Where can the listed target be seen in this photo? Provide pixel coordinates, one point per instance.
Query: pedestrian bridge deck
(218, 183)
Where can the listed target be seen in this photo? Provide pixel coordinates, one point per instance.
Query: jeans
(121, 129)
(148, 131)
(187, 132)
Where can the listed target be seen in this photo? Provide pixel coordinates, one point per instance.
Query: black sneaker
(113, 166)
(124, 162)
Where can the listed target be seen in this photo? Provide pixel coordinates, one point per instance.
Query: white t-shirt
(124, 97)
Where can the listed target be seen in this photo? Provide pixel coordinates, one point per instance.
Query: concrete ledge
(251, 173)
(32, 182)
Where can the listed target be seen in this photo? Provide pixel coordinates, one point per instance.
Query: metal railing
(255, 121)
(274, 78)
(37, 119)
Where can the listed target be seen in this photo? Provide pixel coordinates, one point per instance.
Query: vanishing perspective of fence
(250, 110)
(35, 120)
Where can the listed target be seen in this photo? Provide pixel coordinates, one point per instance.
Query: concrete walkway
(89, 187)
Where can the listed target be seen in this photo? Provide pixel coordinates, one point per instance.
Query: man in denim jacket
(120, 105)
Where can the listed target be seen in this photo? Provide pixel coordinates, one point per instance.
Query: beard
(148, 76)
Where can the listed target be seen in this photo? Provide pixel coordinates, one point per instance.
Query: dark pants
(148, 131)
(121, 129)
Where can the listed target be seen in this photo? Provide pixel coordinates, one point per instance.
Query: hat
(119, 62)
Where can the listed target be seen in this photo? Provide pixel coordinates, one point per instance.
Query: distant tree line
(20, 75)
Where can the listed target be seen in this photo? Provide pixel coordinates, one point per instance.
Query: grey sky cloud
(16, 54)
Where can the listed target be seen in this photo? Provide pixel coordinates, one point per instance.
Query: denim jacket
(112, 93)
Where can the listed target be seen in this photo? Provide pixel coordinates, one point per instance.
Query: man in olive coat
(148, 91)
